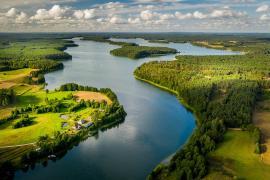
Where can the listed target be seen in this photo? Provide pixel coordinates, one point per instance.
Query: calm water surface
(156, 124)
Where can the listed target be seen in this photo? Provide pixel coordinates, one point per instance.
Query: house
(77, 126)
(65, 117)
(88, 124)
(81, 122)
(64, 124)
(52, 156)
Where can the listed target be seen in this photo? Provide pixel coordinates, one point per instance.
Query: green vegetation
(7, 96)
(35, 54)
(234, 157)
(132, 50)
(57, 114)
(44, 116)
(136, 52)
(34, 122)
(25, 121)
(221, 90)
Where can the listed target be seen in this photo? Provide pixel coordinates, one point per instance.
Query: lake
(156, 124)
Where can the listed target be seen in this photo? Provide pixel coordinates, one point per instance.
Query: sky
(135, 16)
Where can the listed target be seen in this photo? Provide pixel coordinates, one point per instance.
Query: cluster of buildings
(78, 125)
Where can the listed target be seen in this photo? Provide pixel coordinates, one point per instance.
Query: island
(137, 52)
(132, 50)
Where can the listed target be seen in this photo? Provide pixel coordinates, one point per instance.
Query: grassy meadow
(235, 157)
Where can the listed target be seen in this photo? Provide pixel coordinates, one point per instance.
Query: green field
(43, 124)
(235, 157)
(47, 123)
(34, 49)
(11, 75)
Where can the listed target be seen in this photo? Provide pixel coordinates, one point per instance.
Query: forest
(136, 52)
(132, 50)
(42, 54)
(221, 90)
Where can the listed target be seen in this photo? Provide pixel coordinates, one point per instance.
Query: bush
(25, 121)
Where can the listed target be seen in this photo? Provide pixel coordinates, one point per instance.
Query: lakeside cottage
(63, 116)
(89, 124)
(81, 122)
(64, 124)
(77, 126)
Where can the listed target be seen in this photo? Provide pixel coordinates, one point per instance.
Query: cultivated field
(96, 96)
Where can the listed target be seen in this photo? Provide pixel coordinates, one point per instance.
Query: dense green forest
(221, 90)
(136, 52)
(43, 54)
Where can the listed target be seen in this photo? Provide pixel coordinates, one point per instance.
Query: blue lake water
(155, 127)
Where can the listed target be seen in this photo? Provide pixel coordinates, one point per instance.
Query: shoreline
(167, 159)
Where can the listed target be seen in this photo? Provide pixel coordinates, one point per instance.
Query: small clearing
(96, 96)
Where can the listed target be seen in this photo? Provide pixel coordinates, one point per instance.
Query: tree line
(221, 90)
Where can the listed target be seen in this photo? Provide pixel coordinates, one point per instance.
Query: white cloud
(265, 17)
(112, 5)
(181, 16)
(155, 1)
(12, 12)
(30, 3)
(79, 14)
(166, 16)
(226, 13)
(117, 20)
(147, 15)
(14, 15)
(262, 8)
(241, 1)
(85, 14)
(134, 20)
(199, 15)
(56, 12)
(22, 18)
(89, 13)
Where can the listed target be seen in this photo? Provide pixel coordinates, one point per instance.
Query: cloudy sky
(135, 16)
